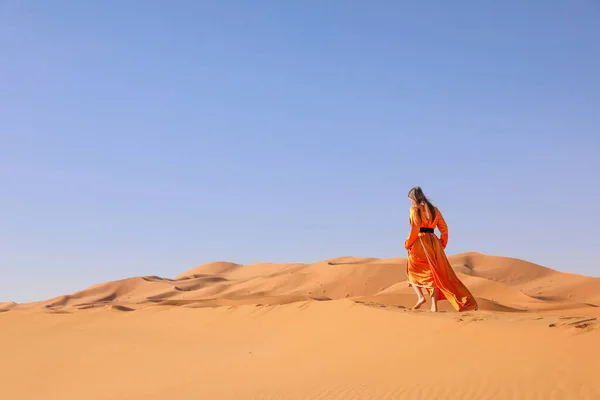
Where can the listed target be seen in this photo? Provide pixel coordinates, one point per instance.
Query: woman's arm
(414, 230)
(443, 227)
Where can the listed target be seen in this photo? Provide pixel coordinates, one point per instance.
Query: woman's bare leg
(434, 299)
(421, 298)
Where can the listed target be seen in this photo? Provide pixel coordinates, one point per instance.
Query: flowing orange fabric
(427, 264)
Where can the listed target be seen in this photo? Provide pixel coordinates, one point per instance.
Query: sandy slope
(499, 283)
(337, 329)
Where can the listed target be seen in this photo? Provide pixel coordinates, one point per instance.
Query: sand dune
(498, 282)
(7, 306)
(335, 329)
(211, 269)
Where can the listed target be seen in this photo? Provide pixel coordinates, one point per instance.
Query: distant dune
(335, 329)
(499, 283)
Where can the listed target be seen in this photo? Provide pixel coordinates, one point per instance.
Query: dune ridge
(499, 284)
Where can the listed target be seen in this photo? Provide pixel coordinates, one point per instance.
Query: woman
(427, 265)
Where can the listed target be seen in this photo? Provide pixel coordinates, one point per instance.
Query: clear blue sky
(147, 137)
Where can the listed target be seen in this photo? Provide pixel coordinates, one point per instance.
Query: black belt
(426, 230)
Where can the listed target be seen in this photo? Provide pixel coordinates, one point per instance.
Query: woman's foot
(434, 299)
(420, 302)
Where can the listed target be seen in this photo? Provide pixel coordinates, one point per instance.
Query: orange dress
(427, 265)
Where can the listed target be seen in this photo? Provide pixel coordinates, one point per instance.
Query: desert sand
(337, 329)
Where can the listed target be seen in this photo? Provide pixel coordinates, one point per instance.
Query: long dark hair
(419, 197)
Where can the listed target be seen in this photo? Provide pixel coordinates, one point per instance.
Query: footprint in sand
(579, 324)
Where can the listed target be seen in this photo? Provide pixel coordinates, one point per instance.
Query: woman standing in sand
(427, 266)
